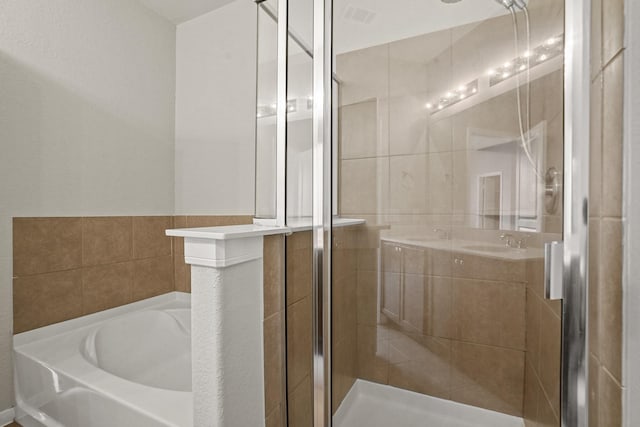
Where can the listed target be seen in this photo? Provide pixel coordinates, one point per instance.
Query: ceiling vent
(359, 15)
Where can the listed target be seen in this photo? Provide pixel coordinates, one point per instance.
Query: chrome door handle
(553, 270)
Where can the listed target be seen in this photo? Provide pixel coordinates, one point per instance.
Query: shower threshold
(376, 405)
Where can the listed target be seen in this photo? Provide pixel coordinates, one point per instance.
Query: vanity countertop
(470, 247)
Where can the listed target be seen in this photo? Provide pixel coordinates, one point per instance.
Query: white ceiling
(392, 20)
(178, 11)
(401, 19)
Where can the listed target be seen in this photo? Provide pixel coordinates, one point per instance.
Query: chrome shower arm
(506, 3)
(520, 4)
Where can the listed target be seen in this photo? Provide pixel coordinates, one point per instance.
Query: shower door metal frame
(574, 376)
(322, 158)
(574, 402)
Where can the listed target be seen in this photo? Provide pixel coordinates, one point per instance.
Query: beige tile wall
(72, 266)
(543, 352)
(465, 335)
(274, 343)
(398, 162)
(344, 295)
(298, 254)
(68, 267)
(299, 328)
(605, 283)
(462, 336)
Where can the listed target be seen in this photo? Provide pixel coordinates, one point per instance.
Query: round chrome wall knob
(551, 190)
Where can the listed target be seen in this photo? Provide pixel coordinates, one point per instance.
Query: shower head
(521, 4)
(506, 3)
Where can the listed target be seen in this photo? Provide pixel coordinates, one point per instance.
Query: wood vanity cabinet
(403, 287)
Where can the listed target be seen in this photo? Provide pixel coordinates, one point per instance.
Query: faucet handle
(508, 238)
(522, 241)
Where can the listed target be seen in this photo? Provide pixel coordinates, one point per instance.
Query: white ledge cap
(228, 232)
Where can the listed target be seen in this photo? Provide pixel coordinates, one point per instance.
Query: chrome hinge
(553, 270)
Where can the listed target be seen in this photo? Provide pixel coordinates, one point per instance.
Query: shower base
(374, 405)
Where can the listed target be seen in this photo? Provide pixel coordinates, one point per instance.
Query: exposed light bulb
(429, 106)
(522, 67)
(542, 57)
(505, 75)
(462, 96)
(527, 54)
(551, 41)
(462, 88)
(491, 72)
(474, 90)
(440, 107)
(448, 94)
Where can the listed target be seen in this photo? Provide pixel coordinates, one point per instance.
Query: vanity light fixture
(453, 96)
(551, 48)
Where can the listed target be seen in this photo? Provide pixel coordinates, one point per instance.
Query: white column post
(226, 323)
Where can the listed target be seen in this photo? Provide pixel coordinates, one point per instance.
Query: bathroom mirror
(504, 180)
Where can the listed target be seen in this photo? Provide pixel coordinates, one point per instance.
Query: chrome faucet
(508, 239)
(511, 242)
(522, 242)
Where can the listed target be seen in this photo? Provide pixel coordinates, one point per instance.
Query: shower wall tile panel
(605, 240)
(453, 313)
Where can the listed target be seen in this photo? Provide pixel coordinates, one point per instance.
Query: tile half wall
(68, 267)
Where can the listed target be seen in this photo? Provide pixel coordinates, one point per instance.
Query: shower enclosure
(451, 133)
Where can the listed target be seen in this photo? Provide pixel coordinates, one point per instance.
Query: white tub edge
(6, 417)
(72, 324)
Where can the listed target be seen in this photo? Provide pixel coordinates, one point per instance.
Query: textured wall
(216, 111)
(86, 120)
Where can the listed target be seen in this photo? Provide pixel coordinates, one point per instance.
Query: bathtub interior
(150, 347)
(51, 399)
(74, 375)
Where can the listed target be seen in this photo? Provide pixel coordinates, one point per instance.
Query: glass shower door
(450, 131)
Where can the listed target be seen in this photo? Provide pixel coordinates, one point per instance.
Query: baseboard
(6, 417)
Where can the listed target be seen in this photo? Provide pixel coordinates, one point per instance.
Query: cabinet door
(412, 307)
(413, 288)
(391, 288)
(391, 281)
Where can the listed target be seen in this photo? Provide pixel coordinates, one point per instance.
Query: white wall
(87, 92)
(215, 112)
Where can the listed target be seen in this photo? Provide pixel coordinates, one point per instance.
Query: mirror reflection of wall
(430, 107)
(518, 205)
(490, 198)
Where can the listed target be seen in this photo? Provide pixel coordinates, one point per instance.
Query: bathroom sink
(489, 248)
(418, 239)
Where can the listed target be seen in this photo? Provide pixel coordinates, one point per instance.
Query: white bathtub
(126, 367)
